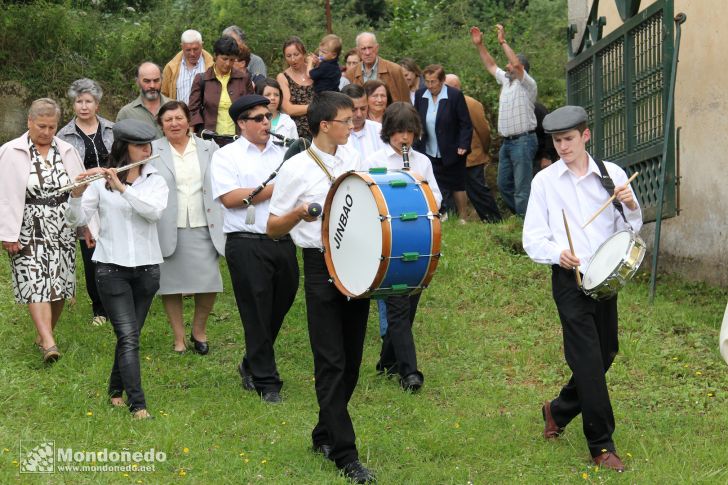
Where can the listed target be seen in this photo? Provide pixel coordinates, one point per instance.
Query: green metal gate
(621, 80)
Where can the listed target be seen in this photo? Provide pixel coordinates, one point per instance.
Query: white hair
(85, 86)
(362, 34)
(191, 37)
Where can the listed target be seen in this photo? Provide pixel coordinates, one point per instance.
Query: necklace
(303, 75)
(93, 142)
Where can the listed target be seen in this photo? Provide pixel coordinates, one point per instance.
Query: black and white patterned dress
(44, 270)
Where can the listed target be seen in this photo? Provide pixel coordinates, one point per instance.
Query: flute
(99, 176)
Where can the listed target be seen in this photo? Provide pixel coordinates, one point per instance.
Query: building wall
(695, 243)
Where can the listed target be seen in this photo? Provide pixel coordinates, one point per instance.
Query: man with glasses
(264, 271)
(336, 324)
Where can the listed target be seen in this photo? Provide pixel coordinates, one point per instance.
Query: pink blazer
(14, 173)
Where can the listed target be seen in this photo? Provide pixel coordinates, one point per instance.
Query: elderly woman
(413, 76)
(447, 136)
(127, 254)
(33, 230)
(378, 98)
(281, 123)
(217, 88)
(190, 230)
(296, 85)
(92, 136)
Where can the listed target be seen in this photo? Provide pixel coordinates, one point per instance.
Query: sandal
(117, 404)
(140, 414)
(98, 320)
(51, 354)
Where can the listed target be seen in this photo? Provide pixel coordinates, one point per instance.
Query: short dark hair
(244, 53)
(524, 62)
(354, 91)
(171, 106)
(351, 52)
(226, 46)
(294, 40)
(373, 85)
(265, 82)
(399, 117)
(324, 107)
(435, 69)
(410, 64)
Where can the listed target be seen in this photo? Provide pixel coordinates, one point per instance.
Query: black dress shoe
(199, 347)
(412, 382)
(247, 378)
(358, 473)
(324, 449)
(271, 397)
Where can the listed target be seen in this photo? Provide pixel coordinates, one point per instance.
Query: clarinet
(405, 156)
(284, 142)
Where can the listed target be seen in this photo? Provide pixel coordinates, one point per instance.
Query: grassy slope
(489, 343)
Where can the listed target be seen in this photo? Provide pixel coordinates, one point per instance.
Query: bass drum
(381, 233)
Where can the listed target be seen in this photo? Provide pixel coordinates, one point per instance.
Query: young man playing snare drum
(574, 184)
(336, 324)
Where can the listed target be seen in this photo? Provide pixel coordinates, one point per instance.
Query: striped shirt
(185, 78)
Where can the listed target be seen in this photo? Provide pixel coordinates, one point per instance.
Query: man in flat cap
(516, 121)
(264, 271)
(579, 185)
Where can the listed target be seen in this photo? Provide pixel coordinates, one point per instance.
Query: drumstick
(606, 204)
(571, 247)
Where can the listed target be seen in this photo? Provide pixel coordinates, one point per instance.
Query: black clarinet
(221, 140)
(284, 142)
(405, 156)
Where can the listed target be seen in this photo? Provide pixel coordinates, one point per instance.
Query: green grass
(489, 344)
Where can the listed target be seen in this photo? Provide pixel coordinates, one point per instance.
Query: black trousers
(590, 346)
(264, 274)
(89, 272)
(398, 344)
(127, 294)
(480, 195)
(336, 329)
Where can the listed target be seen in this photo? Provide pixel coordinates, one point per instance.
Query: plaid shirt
(517, 98)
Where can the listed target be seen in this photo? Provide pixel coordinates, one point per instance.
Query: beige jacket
(15, 170)
(480, 146)
(390, 74)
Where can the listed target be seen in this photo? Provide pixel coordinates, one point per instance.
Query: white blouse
(128, 234)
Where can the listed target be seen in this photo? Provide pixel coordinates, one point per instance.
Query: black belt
(255, 235)
(513, 137)
(54, 201)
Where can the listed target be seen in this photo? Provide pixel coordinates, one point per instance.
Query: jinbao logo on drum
(343, 219)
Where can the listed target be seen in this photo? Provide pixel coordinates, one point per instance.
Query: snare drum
(381, 233)
(613, 265)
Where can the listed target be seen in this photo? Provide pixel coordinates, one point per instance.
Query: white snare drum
(613, 265)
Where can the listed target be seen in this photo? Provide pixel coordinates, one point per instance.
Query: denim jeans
(515, 171)
(127, 294)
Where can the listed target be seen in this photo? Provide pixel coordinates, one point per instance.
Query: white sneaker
(98, 320)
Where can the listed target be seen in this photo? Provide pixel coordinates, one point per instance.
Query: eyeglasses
(347, 121)
(259, 118)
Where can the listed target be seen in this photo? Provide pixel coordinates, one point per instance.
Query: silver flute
(99, 176)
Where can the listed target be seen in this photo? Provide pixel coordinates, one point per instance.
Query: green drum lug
(378, 170)
(408, 216)
(411, 256)
(398, 183)
(401, 288)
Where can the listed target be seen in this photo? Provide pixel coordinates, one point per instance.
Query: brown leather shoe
(609, 460)
(550, 429)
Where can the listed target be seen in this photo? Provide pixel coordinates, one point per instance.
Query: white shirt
(190, 206)
(555, 188)
(241, 165)
(431, 146)
(367, 140)
(128, 233)
(301, 180)
(285, 126)
(515, 108)
(419, 164)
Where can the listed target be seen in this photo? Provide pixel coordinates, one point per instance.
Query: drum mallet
(314, 209)
(571, 247)
(606, 204)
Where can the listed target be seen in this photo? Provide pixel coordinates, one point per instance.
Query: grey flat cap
(135, 132)
(564, 119)
(244, 103)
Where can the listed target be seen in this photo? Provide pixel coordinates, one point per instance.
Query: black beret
(134, 131)
(244, 103)
(564, 119)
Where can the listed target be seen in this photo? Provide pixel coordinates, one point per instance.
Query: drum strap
(320, 163)
(608, 185)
